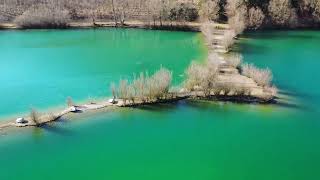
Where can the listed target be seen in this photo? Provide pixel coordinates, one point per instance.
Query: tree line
(241, 14)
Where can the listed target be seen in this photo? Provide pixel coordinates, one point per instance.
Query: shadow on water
(161, 107)
(277, 35)
(296, 94)
(250, 49)
(53, 127)
(292, 106)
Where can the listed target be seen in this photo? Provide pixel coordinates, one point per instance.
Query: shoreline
(49, 117)
(171, 26)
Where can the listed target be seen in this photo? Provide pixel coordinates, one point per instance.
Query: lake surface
(41, 68)
(187, 140)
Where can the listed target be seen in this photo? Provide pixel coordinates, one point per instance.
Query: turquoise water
(41, 68)
(189, 140)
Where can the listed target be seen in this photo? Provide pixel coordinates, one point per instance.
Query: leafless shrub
(226, 88)
(237, 13)
(281, 13)
(140, 83)
(123, 90)
(209, 10)
(51, 117)
(159, 83)
(145, 87)
(113, 90)
(207, 30)
(310, 7)
(228, 39)
(255, 18)
(202, 75)
(262, 77)
(234, 60)
(43, 16)
(34, 116)
(217, 90)
(273, 90)
(196, 74)
(240, 90)
(69, 102)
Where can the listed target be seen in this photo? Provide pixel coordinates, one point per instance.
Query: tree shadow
(52, 127)
(244, 48)
(160, 107)
(276, 35)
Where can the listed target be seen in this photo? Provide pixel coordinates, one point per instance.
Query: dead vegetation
(144, 87)
(240, 14)
(43, 16)
(262, 77)
(34, 116)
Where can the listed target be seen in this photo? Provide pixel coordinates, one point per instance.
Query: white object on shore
(73, 109)
(21, 120)
(112, 101)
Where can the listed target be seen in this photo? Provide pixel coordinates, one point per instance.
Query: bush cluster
(43, 16)
(144, 87)
(262, 77)
(184, 12)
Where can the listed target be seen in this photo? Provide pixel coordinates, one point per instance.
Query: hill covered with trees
(240, 14)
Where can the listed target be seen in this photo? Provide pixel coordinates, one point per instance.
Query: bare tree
(114, 12)
(145, 87)
(209, 10)
(123, 90)
(237, 14)
(255, 18)
(228, 39)
(281, 12)
(262, 77)
(34, 116)
(155, 8)
(202, 76)
(40, 16)
(113, 90)
(121, 10)
(311, 8)
(234, 60)
(69, 102)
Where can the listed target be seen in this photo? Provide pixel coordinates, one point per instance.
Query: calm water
(42, 68)
(188, 140)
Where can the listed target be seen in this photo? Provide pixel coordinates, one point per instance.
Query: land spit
(226, 74)
(257, 95)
